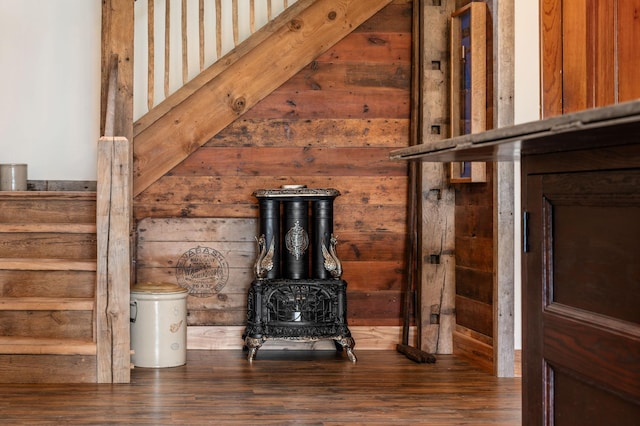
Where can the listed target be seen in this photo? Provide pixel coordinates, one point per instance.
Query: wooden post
(504, 201)
(117, 40)
(437, 288)
(113, 213)
(114, 197)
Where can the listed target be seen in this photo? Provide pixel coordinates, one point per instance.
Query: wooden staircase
(47, 287)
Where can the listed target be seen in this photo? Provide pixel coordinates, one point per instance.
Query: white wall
(526, 108)
(50, 86)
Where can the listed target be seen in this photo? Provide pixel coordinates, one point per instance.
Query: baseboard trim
(230, 338)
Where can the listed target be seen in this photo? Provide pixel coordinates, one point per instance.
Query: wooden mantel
(588, 128)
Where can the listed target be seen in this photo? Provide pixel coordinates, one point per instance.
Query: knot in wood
(239, 104)
(295, 25)
(332, 15)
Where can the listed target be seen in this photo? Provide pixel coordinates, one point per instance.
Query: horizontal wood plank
(319, 133)
(25, 283)
(48, 264)
(474, 252)
(273, 161)
(41, 368)
(34, 346)
(480, 353)
(54, 324)
(46, 304)
(201, 229)
(474, 315)
(474, 284)
(366, 105)
(364, 46)
(46, 244)
(69, 228)
(374, 191)
(386, 77)
(47, 209)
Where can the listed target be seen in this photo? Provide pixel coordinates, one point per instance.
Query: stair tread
(46, 304)
(14, 345)
(68, 228)
(35, 264)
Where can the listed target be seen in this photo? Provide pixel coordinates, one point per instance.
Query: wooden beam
(437, 245)
(113, 217)
(117, 41)
(285, 51)
(504, 192)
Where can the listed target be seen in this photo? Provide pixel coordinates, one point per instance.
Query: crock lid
(158, 288)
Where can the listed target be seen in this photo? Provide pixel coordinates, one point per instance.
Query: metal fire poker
(410, 352)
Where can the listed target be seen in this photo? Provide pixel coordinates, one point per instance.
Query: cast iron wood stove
(297, 293)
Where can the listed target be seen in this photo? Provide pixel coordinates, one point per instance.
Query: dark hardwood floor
(280, 387)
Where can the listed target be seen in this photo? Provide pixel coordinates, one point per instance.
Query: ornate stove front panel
(297, 293)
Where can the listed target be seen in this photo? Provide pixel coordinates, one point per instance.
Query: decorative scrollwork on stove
(297, 240)
(301, 303)
(331, 262)
(264, 261)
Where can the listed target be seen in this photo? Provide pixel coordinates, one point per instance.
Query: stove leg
(348, 343)
(253, 344)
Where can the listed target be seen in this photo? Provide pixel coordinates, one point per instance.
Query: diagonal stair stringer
(194, 114)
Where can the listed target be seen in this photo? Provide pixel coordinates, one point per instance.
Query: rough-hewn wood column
(117, 42)
(437, 245)
(113, 322)
(504, 197)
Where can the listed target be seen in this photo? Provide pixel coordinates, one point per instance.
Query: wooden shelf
(607, 126)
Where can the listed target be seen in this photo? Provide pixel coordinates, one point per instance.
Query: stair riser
(47, 324)
(63, 284)
(47, 369)
(48, 245)
(47, 211)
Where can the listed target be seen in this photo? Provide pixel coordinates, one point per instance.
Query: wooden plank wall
(331, 125)
(212, 257)
(475, 263)
(589, 54)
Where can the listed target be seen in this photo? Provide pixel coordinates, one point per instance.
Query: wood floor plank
(279, 387)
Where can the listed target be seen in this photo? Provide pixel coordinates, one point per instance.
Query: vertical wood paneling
(575, 56)
(589, 54)
(628, 27)
(551, 50)
(603, 49)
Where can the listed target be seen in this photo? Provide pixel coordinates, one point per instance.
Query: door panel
(581, 351)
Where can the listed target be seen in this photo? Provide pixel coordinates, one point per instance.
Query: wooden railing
(113, 223)
(195, 35)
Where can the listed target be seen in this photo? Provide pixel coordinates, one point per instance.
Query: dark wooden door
(581, 296)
